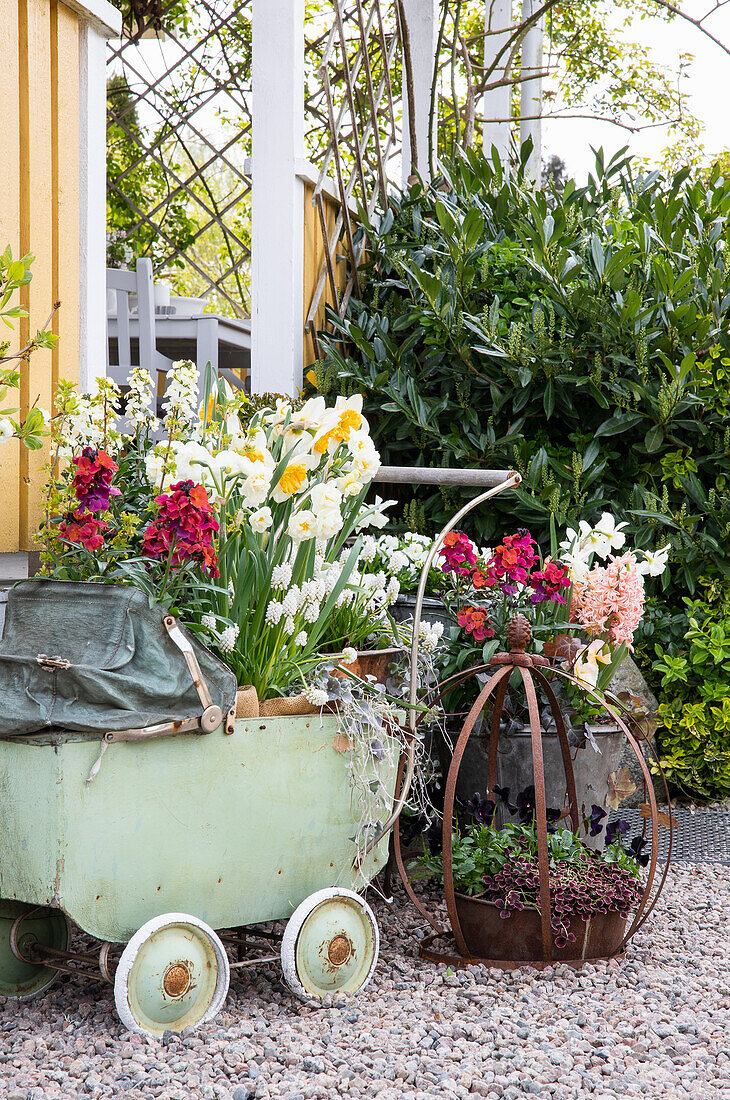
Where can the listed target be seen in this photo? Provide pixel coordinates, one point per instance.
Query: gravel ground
(655, 1025)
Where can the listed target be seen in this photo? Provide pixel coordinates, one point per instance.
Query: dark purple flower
(503, 794)
(480, 808)
(636, 847)
(615, 831)
(597, 815)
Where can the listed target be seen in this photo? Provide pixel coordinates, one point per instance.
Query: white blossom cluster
(139, 399)
(93, 420)
(578, 548)
(429, 635)
(181, 393)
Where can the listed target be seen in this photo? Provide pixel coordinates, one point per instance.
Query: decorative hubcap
(339, 950)
(177, 979)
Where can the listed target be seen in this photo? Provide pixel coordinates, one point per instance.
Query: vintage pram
(184, 829)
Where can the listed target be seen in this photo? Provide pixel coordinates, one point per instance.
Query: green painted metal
(235, 829)
(46, 926)
(335, 948)
(173, 979)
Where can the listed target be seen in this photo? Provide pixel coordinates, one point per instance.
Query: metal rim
(530, 666)
(22, 925)
(330, 944)
(173, 973)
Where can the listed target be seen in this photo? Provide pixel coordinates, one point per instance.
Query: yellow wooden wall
(39, 213)
(314, 258)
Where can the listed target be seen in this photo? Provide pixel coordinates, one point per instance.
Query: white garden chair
(141, 283)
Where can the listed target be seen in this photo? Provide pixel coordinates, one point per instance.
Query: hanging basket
(523, 938)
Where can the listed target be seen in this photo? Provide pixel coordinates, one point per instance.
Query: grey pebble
(652, 1025)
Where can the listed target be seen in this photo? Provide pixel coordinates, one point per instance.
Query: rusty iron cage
(535, 671)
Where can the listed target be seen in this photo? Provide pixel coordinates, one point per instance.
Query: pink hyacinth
(610, 600)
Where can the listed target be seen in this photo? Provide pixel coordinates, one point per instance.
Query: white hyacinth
(369, 549)
(392, 592)
(289, 625)
(281, 576)
(429, 635)
(311, 612)
(274, 612)
(290, 603)
(316, 697)
(301, 639)
(208, 621)
(228, 638)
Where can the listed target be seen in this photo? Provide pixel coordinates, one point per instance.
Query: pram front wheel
(330, 945)
(173, 974)
(22, 927)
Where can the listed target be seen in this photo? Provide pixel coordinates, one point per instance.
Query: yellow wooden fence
(314, 259)
(39, 213)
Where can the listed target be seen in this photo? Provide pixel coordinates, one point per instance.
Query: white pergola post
(98, 21)
(531, 90)
(421, 18)
(277, 217)
(496, 103)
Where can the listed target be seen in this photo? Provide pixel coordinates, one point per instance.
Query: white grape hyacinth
(228, 638)
(349, 655)
(274, 613)
(281, 575)
(316, 697)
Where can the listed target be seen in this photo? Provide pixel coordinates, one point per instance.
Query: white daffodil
(577, 564)
(367, 466)
(255, 488)
(261, 520)
(611, 532)
(294, 478)
(302, 525)
(373, 515)
(325, 495)
(155, 467)
(350, 484)
(586, 668)
(654, 562)
(329, 522)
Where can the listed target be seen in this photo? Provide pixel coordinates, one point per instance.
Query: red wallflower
(512, 561)
(474, 621)
(83, 529)
(458, 553)
(92, 481)
(186, 524)
(549, 582)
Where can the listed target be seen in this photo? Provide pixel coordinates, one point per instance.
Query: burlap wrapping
(247, 702)
(290, 705)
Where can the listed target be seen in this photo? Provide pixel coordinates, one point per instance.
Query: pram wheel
(21, 927)
(330, 945)
(173, 974)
